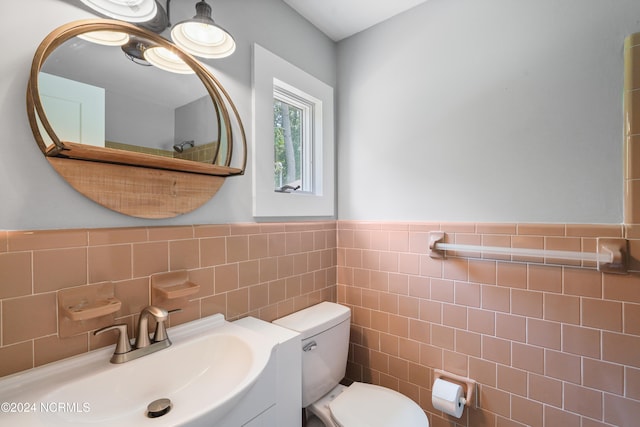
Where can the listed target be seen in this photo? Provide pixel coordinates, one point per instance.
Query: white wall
(494, 110)
(33, 196)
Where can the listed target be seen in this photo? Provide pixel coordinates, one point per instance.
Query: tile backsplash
(261, 270)
(549, 345)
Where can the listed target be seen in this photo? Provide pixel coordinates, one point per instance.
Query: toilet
(324, 330)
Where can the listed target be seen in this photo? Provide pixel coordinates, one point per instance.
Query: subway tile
(621, 287)
(603, 376)
(563, 366)
(496, 228)
(431, 311)
(134, 295)
(602, 314)
(150, 258)
(620, 411)
(109, 263)
(442, 290)
(430, 267)
(58, 269)
(419, 331)
(496, 350)
(527, 303)
(171, 233)
(456, 363)
(526, 411)
(557, 417)
(481, 321)
(541, 229)
(467, 294)
(114, 236)
(389, 303)
(544, 334)
(545, 278)
(389, 261)
(513, 275)
(527, 357)
(562, 308)
(483, 371)
(494, 400)
(632, 319)
(184, 254)
(4, 241)
(581, 341)
(213, 251)
(419, 287)
(619, 348)
(15, 274)
(545, 390)
(631, 383)
(496, 298)
(594, 230)
(45, 239)
(217, 230)
(571, 244)
(50, 349)
(454, 316)
(399, 284)
(410, 350)
(36, 315)
(16, 358)
(511, 327)
(468, 343)
(456, 269)
(482, 271)
(251, 228)
(583, 282)
(285, 266)
(409, 263)
(249, 274)
(431, 356)
(512, 380)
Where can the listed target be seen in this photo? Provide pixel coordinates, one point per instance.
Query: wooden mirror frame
(135, 184)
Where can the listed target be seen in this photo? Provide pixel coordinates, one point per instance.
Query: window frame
(272, 75)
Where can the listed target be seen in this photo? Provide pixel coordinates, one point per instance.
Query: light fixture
(125, 10)
(201, 36)
(106, 38)
(166, 60)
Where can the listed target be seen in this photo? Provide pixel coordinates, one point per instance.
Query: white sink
(210, 366)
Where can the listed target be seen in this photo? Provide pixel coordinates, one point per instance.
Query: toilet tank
(325, 345)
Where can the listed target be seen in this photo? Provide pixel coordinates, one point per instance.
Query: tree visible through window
(293, 142)
(287, 126)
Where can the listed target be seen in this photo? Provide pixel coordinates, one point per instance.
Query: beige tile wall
(549, 345)
(262, 270)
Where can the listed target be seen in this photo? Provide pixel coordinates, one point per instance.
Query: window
(293, 148)
(293, 139)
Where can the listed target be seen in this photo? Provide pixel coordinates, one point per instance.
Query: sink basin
(210, 366)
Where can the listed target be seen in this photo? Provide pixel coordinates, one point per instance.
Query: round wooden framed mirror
(103, 137)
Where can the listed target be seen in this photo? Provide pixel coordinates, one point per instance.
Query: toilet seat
(368, 405)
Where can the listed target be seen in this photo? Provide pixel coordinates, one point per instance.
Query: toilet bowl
(324, 330)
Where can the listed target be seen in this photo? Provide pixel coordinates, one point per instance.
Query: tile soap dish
(171, 290)
(86, 310)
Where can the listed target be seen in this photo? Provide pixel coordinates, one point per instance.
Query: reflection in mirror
(105, 102)
(94, 94)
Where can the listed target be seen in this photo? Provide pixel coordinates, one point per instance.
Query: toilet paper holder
(468, 384)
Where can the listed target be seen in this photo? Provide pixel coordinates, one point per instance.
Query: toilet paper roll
(448, 397)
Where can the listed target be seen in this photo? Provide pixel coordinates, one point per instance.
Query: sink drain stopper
(158, 408)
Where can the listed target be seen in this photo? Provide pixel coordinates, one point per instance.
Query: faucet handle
(123, 344)
(161, 330)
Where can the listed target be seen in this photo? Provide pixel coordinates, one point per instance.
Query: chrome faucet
(143, 345)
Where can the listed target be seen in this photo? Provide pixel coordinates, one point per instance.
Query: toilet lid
(367, 405)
